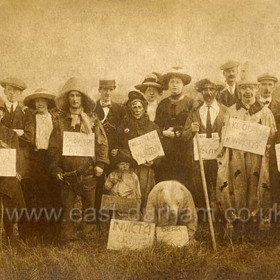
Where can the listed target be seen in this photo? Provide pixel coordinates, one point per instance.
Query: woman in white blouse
(41, 196)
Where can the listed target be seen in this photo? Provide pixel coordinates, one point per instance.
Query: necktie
(12, 109)
(11, 114)
(208, 124)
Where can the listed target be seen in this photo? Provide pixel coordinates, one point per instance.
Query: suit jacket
(21, 119)
(224, 97)
(274, 106)
(112, 121)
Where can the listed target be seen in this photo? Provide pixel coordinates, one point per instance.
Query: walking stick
(1, 224)
(206, 193)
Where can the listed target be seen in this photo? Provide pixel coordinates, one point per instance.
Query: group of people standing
(47, 178)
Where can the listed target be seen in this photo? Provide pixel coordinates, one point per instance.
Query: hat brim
(184, 77)
(247, 82)
(130, 160)
(143, 87)
(29, 100)
(62, 102)
(4, 84)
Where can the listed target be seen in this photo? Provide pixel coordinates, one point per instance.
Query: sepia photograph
(140, 140)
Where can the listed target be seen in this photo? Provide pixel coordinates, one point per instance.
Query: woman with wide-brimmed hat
(135, 124)
(151, 88)
(171, 116)
(40, 195)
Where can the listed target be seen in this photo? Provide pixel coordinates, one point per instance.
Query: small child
(123, 181)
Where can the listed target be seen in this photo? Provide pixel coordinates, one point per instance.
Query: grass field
(257, 258)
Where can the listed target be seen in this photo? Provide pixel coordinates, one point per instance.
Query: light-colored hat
(229, 64)
(248, 80)
(151, 80)
(15, 82)
(107, 83)
(40, 93)
(177, 72)
(267, 76)
(74, 84)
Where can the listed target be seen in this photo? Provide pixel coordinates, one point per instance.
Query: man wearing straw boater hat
(151, 88)
(77, 174)
(243, 186)
(229, 95)
(206, 119)
(41, 191)
(171, 116)
(268, 99)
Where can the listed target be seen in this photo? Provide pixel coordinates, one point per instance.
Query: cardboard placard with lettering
(78, 144)
(8, 163)
(246, 136)
(146, 147)
(208, 146)
(130, 235)
(117, 203)
(176, 236)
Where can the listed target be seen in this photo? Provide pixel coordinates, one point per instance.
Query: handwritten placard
(277, 148)
(78, 144)
(130, 235)
(146, 147)
(208, 146)
(117, 203)
(246, 136)
(8, 163)
(176, 236)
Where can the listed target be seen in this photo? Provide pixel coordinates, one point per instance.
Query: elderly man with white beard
(243, 177)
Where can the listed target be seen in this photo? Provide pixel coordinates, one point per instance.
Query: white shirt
(214, 111)
(44, 127)
(9, 105)
(264, 100)
(231, 89)
(105, 109)
(151, 110)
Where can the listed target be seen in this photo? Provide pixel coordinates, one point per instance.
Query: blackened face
(248, 93)
(209, 93)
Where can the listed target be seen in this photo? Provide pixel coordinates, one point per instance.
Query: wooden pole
(1, 223)
(206, 193)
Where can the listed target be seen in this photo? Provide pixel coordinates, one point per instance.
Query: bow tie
(106, 105)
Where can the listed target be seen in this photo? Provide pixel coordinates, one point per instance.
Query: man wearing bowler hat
(267, 98)
(109, 113)
(229, 95)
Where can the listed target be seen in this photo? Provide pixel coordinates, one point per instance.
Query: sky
(45, 42)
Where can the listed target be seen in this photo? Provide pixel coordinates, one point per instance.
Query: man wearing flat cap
(77, 174)
(243, 177)
(267, 98)
(18, 118)
(229, 95)
(206, 119)
(171, 116)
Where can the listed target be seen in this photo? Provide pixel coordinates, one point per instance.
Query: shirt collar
(9, 104)
(214, 105)
(269, 99)
(233, 87)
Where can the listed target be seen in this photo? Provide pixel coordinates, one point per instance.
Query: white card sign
(208, 146)
(78, 144)
(130, 235)
(246, 136)
(176, 236)
(277, 148)
(146, 147)
(8, 163)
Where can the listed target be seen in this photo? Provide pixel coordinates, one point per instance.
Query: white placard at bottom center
(8, 163)
(176, 236)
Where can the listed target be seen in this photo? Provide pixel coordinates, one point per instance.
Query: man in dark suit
(18, 118)
(109, 113)
(267, 98)
(229, 95)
